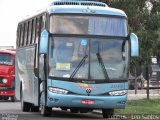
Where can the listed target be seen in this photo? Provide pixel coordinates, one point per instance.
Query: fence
(138, 83)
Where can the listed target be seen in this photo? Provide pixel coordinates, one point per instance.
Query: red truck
(7, 74)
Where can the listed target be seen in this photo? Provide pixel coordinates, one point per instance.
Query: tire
(25, 106)
(63, 108)
(46, 111)
(13, 99)
(34, 108)
(73, 110)
(6, 98)
(107, 113)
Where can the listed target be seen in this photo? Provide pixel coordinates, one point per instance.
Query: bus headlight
(118, 93)
(57, 90)
(4, 80)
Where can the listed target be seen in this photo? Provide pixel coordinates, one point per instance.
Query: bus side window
(29, 32)
(33, 32)
(23, 41)
(37, 30)
(18, 36)
(42, 22)
(22, 35)
(20, 31)
(27, 38)
(32, 24)
(25, 34)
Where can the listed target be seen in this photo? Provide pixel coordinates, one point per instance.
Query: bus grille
(83, 3)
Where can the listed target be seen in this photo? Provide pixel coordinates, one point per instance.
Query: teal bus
(74, 55)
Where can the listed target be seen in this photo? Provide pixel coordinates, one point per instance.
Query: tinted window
(33, 32)
(6, 59)
(26, 35)
(18, 36)
(92, 25)
(22, 35)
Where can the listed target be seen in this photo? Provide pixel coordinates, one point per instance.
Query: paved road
(11, 111)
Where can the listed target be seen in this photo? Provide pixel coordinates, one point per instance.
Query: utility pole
(147, 78)
(135, 80)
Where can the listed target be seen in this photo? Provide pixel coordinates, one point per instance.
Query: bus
(7, 74)
(74, 55)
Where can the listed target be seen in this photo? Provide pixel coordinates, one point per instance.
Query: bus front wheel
(107, 113)
(46, 111)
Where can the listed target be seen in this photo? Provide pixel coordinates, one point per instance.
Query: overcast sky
(13, 11)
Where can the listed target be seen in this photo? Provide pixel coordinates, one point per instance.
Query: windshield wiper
(100, 60)
(102, 65)
(78, 66)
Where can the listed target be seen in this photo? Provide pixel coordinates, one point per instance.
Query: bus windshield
(6, 59)
(88, 58)
(90, 25)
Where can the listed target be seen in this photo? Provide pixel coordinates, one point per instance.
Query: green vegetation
(144, 20)
(143, 106)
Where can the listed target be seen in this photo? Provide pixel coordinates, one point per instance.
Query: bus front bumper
(100, 102)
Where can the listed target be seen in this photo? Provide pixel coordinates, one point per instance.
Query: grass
(143, 106)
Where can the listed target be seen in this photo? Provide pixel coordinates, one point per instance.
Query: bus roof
(79, 6)
(86, 10)
(83, 6)
(9, 51)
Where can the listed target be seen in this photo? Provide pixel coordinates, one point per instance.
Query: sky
(13, 11)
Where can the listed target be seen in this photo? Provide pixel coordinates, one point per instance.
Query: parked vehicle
(140, 80)
(7, 74)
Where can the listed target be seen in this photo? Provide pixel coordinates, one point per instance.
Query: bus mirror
(134, 45)
(44, 42)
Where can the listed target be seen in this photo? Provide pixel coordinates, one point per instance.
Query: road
(12, 111)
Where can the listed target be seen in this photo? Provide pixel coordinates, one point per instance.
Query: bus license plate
(87, 102)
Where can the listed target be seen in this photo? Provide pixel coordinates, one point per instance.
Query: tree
(144, 20)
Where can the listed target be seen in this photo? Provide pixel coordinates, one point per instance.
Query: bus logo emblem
(88, 91)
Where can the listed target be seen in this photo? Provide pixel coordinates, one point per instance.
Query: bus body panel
(25, 78)
(77, 92)
(100, 102)
(80, 88)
